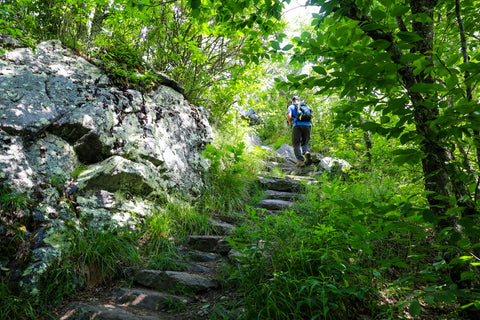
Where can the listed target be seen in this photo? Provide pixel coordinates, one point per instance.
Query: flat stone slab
(199, 256)
(281, 195)
(208, 244)
(280, 184)
(171, 280)
(222, 227)
(274, 205)
(82, 311)
(148, 299)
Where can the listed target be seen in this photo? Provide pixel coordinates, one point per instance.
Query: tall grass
(347, 249)
(11, 200)
(93, 257)
(231, 181)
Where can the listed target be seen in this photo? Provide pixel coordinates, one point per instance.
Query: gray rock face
(61, 103)
(65, 132)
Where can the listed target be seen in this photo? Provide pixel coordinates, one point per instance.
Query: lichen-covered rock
(85, 151)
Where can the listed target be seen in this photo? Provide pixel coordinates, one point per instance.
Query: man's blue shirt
(293, 108)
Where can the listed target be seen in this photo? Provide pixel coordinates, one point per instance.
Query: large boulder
(87, 151)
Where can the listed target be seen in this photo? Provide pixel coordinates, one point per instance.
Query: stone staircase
(164, 294)
(193, 292)
(281, 193)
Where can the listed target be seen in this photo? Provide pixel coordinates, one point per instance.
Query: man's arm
(290, 118)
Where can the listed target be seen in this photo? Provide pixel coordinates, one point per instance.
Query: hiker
(300, 132)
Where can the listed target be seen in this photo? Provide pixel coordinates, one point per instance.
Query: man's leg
(297, 142)
(305, 140)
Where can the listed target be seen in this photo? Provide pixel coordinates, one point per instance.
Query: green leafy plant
(78, 170)
(16, 306)
(229, 183)
(101, 255)
(11, 200)
(123, 63)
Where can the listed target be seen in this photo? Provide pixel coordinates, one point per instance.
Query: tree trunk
(437, 178)
(439, 175)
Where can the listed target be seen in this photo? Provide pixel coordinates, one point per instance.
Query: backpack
(304, 113)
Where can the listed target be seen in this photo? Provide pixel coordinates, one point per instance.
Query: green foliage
(14, 306)
(177, 219)
(12, 201)
(275, 131)
(124, 64)
(343, 250)
(76, 173)
(94, 257)
(105, 252)
(231, 180)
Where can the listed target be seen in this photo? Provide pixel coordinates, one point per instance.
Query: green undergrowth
(349, 249)
(231, 182)
(94, 257)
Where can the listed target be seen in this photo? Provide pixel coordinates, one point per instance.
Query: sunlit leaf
(411, 156)
(400, 10)
(409, 36)
(319, 70)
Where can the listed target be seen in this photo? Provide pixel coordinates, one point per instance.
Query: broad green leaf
(415, 309)
(409, 36)
(426, 87)
(333, 42)
(408, 137)
(195, 4)
(444, 296)
(319, 70)
(378, 14)
(275, 45)
(472, 67)
(429, 299)
(371, 27)
(387, 3)
(410, 156)
(370, 126)
(380, 44)
(422, 17)
(305, 35)
(400, 10)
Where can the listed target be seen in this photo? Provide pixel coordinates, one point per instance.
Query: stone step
(82, 311)
(215, 244)
(281, 195)
(173, 280)
(281, 184)
(199, 256)
(221, 227)
(148, 299)
(274, 204)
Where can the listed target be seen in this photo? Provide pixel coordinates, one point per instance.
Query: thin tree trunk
(367, 138)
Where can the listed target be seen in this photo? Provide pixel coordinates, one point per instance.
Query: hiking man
(300, 132)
